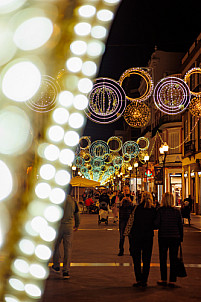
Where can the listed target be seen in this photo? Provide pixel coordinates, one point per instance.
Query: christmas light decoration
(141, 141)
(137, 115)
(107, 101)
(195, 106)
(171, 95)
(131, 148)
(99, 148)
(112, 142)
(192, 72)
(147, 91)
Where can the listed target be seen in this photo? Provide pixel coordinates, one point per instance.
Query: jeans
(173, 245)
(141, 248)
(122, 226)
(65, 234)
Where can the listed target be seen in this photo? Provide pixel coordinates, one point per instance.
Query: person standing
(69, 222)
(125, 210)
(170, 235)
(141, 238)
(114, 205)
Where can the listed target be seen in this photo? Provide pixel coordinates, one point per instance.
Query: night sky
(138, 27)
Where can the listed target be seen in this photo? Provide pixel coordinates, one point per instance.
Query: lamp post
(130, 169)
(136, 166)
(163, 151)
(146, 159)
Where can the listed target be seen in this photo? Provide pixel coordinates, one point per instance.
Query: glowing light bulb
(85, 85)
(66, 156)
(47, 171)
(98, 32)
(61, 116)
(76, 120)
(71, 138)
(82, 29)
(78, 47)
(56, 133)
(80, 102)
(6, 181)
(89, 68)
(62, 177)
(57, 196)
(66, 98)
(74, 64)
(87, 11)
(105, 15)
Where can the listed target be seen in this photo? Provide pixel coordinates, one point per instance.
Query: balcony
(166, 119)
(189, 148)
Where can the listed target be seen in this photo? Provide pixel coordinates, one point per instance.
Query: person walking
(114, 206)
(125, 210)
(141, 238)
(69, 222)
(170, 235)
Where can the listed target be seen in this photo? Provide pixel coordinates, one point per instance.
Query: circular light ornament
(107, 101)
(131, 147)
(38, 271)
(80, 102)
(105, 15)
(7, 6)
(87, 11)
(60, 116)
(78, 47)
(21, 81)
(141, 141)
(62, 177)
(74, 64)
(114, 143)
(76, 120)
(171, 95)
(137, 115)
(15, 131)
(192, 72)
(43, 252)
(98, 32)
(82, 29)
(65, 98)
(99, 148)
(66, 156)
(95, 48)
(84, 142)
(126, 157)
(6, 181)
(85, 85)
(139, 72)
(71, 138)
(79, 161)
(33, 33)
(118, 161)
(32, 290)
(89, 68)
(195, 107)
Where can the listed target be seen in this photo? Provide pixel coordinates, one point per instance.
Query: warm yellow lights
(80, 102)
(27, 246)
(74, 64)
(43, 252)
(78, 47)
(71, 138)
(85, 85)
(51, 152)
(105, 15)
(42, 190)
(95, 48)
(87, 11)
(21, 81)
(53, 213)
(66, 156)
(82, 29)
(62, 177)
(89, 68)
(98, 32)
(11, 5)
(32, 290)
(16, 284)
(6, 39)
(76, 120)
(47, 171)
(33, 33)
(38, 271)
(65, 98)
(57, 196)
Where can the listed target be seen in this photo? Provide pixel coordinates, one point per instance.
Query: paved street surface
(99, 275)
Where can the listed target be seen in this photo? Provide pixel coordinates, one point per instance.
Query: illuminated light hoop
(96, 162)
(87, 157)
(145, 76)
(132, 148)
(146, 142)
(171, 95)
(137, 115)
(195, 107)
(116, 167)
(87, 139)
(195, 70)
(79, 161)
(83, 170)
(107, 101)
(99, 148)
(111, 170)
(126, 157)
(4, 293)
(104, 168)
(118, 161)
(141, 156)
(45, 98)
(108, 158)
(117, 139)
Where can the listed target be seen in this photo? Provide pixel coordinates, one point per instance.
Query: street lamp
(73, 169)
(163, 151)
(136, 166)
(146, 159)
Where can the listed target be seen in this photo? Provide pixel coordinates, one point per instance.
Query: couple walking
(167, 219)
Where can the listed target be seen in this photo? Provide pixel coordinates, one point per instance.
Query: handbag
(129, 223)
(180, 268)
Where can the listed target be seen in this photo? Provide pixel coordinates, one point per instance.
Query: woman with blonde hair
(141, 238)
(170, 235)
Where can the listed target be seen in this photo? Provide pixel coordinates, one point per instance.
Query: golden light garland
(143, 139)
(145, 76)
(191, 72)
(137, 115)
(84, 139)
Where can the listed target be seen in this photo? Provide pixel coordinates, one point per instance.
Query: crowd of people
(137, 221)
